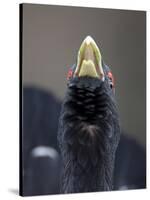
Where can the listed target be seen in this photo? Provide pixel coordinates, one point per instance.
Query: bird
(41, 154)
(89, 124)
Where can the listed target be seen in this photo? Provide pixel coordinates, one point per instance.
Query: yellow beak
(89, 61)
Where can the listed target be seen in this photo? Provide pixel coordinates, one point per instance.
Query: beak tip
(88, 39)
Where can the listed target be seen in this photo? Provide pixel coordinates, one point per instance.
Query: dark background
(52, 36)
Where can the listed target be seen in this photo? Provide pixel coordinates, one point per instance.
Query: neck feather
(88, 138)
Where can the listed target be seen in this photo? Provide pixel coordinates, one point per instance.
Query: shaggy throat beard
(89, 136)
(90, 110)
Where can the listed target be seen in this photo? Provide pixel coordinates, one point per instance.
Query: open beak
(89, 61)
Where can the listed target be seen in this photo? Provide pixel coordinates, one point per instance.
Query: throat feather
(88, 137)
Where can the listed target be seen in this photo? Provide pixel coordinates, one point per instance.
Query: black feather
(88, 136)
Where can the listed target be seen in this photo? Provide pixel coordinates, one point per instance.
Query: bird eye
(70, 73)
(111, 80)
(111, 85)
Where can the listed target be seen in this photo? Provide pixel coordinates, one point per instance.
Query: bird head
(89, 123)
(90, 64)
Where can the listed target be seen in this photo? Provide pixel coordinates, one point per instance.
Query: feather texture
(88, 136)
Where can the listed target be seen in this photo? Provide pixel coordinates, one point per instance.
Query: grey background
(52, 36)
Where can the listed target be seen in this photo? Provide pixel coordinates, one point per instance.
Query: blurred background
(51, 37)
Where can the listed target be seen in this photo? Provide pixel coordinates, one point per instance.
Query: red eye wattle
(70, 73)
(111, 77)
